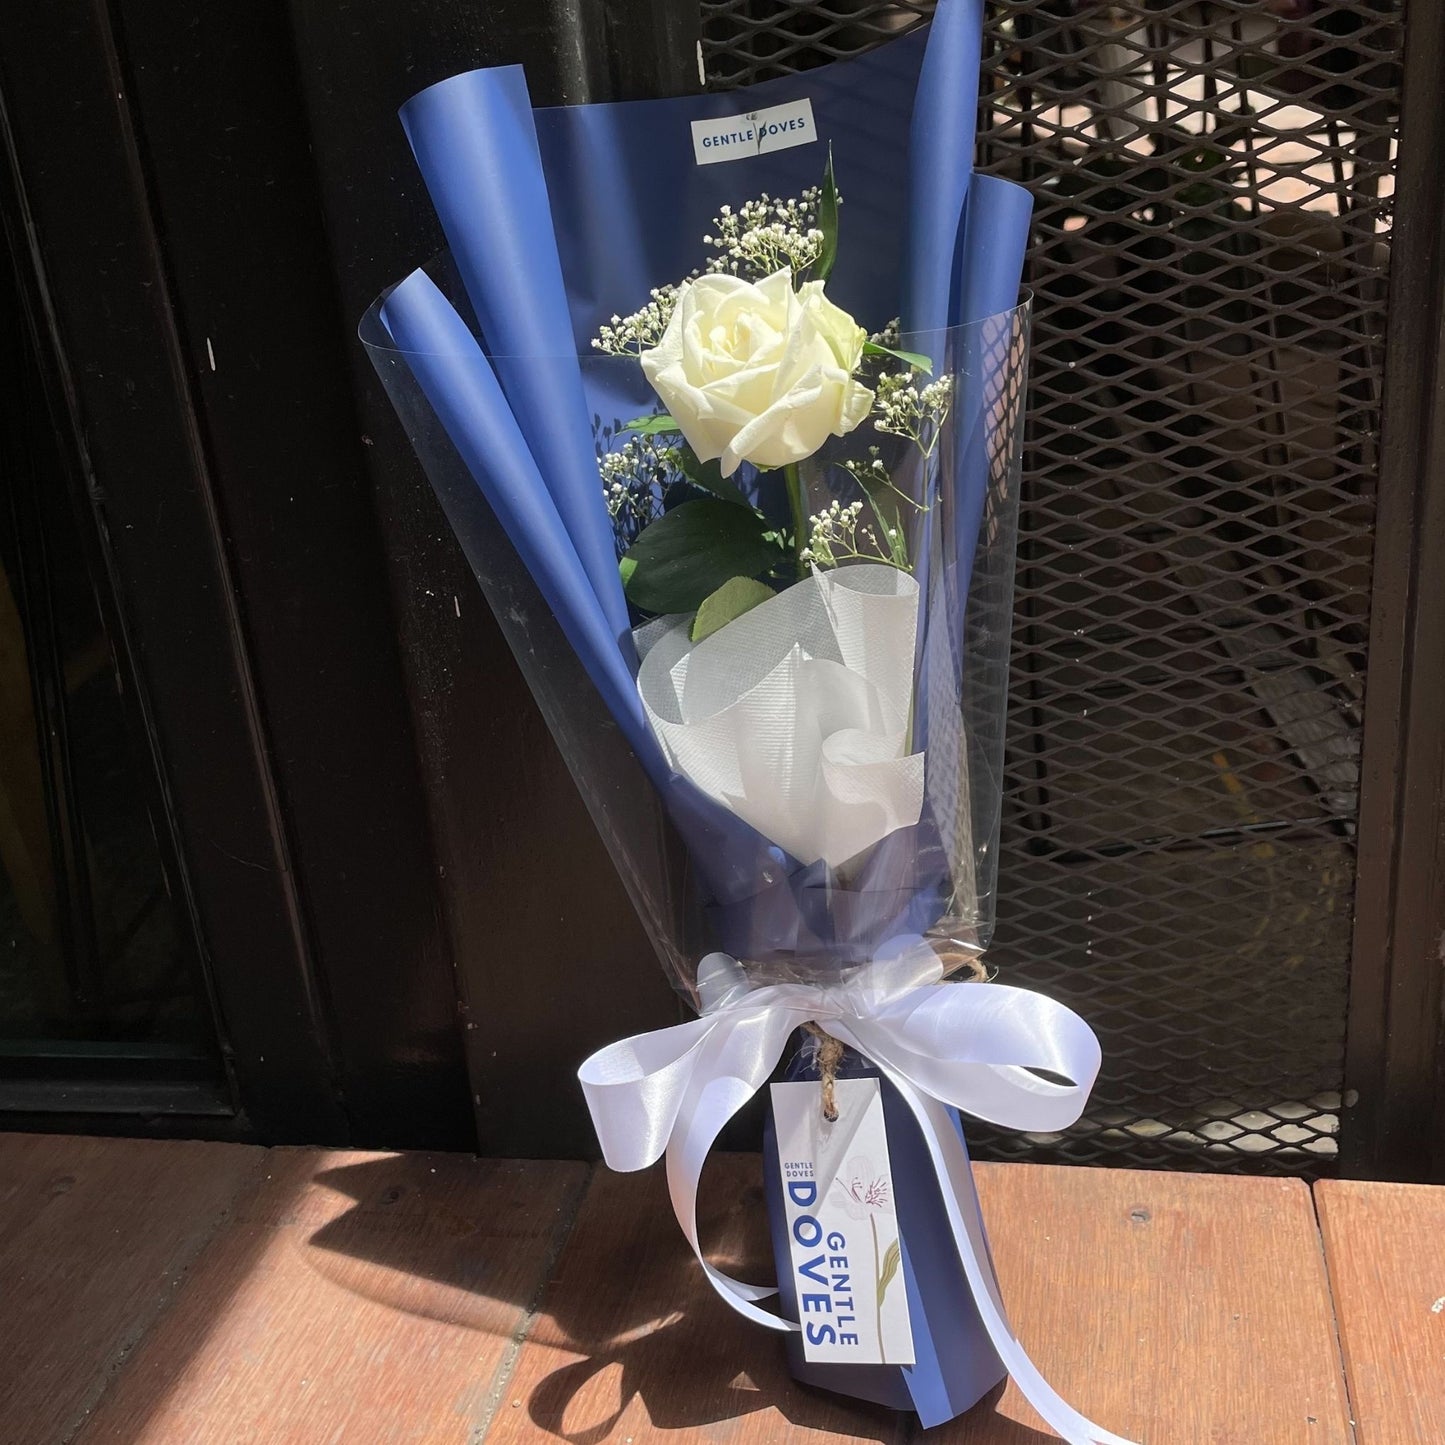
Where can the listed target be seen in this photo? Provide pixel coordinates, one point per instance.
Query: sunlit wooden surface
(203, 1294)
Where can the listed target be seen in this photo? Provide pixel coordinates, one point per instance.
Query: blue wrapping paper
(955, 1363)
(477, 149)
(559, 217)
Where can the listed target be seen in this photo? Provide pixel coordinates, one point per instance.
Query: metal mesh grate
(1213, 183)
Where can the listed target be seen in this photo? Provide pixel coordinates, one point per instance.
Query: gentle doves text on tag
(731, 137)
(842, 1225)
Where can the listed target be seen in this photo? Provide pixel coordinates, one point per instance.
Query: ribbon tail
(635, 1087)
(966, 1219)
(739, 1058)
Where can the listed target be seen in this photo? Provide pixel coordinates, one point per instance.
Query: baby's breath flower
(642, 330)
(887, 501)
(906, 409)
(766, 235)
(890, 336)
(635, 479)
(839, 534)
(870, 472)
(638, 480)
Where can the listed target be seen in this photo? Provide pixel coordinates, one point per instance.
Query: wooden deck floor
(204, 1294)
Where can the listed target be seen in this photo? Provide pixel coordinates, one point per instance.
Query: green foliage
(689, 552)
(708, 476)
(916, 359)
(827, 223)
(736, 596)
(649, 425)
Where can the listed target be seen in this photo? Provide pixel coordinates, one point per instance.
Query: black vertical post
(233, 185)
(1395, 1123)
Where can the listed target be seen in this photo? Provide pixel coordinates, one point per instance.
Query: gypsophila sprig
(634, 334)
(766, 235)
(839, 534)
(891, 336)
(905, 409)
(873, 476)
(636, 479)
(887, 499)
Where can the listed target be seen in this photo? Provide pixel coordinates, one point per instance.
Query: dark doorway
(100, 981)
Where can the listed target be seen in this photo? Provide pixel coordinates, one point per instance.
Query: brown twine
(830, 1055)
(952, 955)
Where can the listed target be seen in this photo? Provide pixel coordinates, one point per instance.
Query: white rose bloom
(758, 372)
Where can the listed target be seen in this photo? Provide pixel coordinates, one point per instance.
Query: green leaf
(892, 1258)
(689, 552)
(827, 223)
(736, 596)
(625, 568)
(647, 425)
(708, 476)
(916, 359)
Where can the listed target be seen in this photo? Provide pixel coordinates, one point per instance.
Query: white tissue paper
(796, 714)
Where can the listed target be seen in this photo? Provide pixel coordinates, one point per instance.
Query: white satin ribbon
(970, 1046)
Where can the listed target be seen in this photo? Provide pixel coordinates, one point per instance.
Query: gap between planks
(218, 1223)
(568, 1215)
(1334, 1306)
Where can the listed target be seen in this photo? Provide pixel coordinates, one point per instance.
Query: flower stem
(798, 501)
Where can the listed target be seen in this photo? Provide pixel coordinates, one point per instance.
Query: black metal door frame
(164, 201)
(1395, 1060)
(79, 217)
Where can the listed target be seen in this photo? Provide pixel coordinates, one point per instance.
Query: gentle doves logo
(731, 137)
(842, 1221)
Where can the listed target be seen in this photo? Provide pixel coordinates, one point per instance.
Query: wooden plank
(95, 1237)
(632, 1346)
(354, 1297)
(1385, 1248)
(1166, 1307)
(1171, 1308)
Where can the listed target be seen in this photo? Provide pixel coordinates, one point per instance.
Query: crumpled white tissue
(796, 714)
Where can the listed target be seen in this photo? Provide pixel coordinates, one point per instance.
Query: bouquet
(722, 397)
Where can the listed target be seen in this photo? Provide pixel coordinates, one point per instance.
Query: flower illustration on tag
(864, 1192)
(866, 1195)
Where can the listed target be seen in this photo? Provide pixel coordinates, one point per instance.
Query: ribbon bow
(973, 1047)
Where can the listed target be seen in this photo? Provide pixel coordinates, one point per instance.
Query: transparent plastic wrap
(803, 804)
(752, 545)
(820, 777)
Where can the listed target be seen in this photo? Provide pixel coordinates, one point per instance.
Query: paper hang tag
(842, 1225)
(731, 137)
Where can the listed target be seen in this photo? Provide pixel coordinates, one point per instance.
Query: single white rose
(758, 372)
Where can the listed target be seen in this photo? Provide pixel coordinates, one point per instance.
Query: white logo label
(731, 137)
(843, 1225)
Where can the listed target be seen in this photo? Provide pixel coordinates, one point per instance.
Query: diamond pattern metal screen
(1213, 183)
